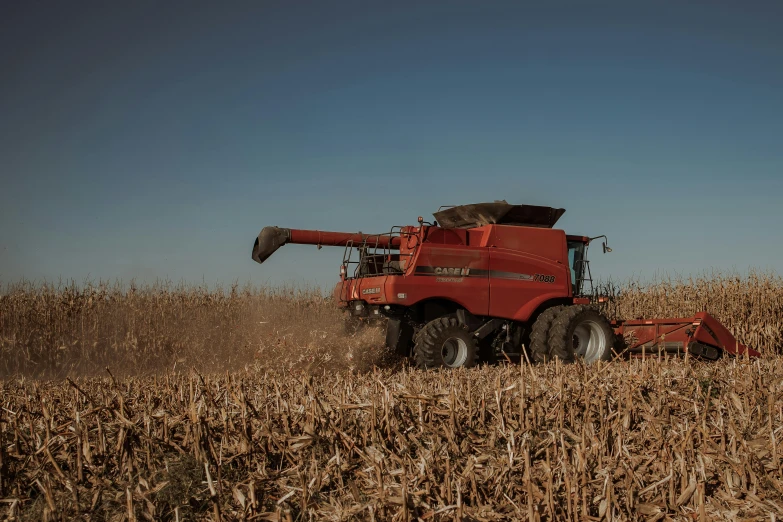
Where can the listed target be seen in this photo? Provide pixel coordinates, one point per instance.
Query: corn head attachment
(702, 336)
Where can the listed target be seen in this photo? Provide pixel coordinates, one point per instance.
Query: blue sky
(154, 141)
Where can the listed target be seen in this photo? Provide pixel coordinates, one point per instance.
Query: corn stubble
(630, 440)
(254, 404)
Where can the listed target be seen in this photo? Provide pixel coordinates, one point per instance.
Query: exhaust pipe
(268, 241)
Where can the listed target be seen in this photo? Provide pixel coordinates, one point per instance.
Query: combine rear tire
(581, 331)
(539, 335)
(444, 343)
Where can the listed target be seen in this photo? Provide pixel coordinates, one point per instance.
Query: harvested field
(629, 440)
(256, 404)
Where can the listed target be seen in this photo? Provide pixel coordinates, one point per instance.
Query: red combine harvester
(491, 280)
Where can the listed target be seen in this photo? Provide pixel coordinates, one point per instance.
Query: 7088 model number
(543, 278)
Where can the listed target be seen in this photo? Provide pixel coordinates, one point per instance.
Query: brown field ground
(255, 404)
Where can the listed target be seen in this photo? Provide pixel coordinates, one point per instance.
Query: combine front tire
(399, 336)
(444, 343)
(581, 331)
(539, 335)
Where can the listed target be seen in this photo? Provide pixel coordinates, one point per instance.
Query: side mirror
(603, 244)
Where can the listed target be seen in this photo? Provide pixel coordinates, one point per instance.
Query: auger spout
(272, 238)
(268, 241)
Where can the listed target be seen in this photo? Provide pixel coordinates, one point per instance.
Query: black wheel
(539, 335)
(444, 343)
(583, 332)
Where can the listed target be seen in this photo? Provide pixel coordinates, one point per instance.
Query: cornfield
(174, 403)
(54, 332)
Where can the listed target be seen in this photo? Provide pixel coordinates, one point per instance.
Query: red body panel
(467, 284)
(515, 262)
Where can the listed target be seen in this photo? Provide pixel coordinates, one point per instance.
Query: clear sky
(155, 139)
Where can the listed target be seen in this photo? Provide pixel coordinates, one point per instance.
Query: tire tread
(560, 333)
(427, 354)
(539, 335)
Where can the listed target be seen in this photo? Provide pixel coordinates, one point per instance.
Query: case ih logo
(452, 271)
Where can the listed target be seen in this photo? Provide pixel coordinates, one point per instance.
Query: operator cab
(577, 248)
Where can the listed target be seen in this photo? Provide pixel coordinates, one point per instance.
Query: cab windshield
(576, 255)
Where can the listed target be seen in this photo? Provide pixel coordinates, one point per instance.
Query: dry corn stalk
(642, 439)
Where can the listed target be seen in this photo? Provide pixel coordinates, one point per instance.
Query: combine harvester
(493, 280)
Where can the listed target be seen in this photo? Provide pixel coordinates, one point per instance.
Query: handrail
(374, 246)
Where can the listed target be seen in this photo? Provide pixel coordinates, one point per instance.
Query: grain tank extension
(492, 280)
